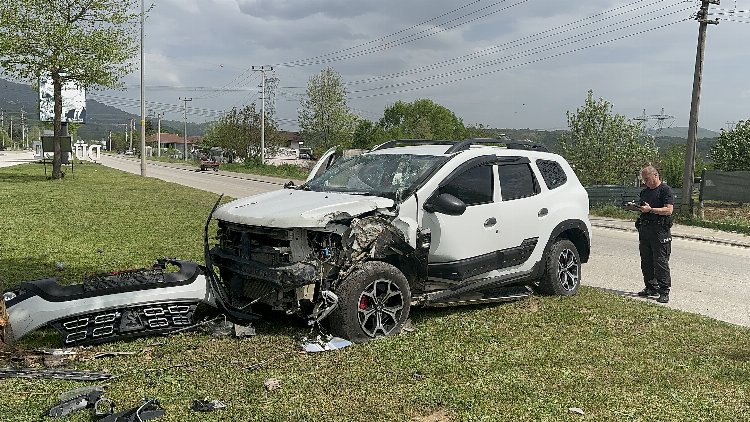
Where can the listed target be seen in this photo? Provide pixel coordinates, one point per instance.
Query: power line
(518, 64)
(321, 58)
(527, 53)
(408, 39)
(492, 50)
(293, 62)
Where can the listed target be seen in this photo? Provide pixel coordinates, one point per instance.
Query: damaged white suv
(408, 223)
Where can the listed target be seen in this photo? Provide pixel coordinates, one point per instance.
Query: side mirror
(445, 203)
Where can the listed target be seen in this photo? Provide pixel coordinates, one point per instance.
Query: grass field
(615, 358)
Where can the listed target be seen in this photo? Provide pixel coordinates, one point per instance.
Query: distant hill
(551, 138)
(102, 118)
(682, 132)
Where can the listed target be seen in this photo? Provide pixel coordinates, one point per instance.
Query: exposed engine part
(327, 302)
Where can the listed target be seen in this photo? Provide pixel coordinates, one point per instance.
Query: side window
(552, 173)
(517, 181)
(473, 186)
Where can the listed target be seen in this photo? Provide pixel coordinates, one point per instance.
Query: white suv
(408, 223)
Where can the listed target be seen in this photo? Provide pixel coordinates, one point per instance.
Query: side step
(501, 294)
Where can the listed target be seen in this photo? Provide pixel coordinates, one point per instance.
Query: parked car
(408, 223)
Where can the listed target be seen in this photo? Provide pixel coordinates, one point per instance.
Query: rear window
(552, 173)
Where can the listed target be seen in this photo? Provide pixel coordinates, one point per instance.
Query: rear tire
(374, 301)
(562, 274)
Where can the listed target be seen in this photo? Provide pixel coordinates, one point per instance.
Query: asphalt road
(707, 278)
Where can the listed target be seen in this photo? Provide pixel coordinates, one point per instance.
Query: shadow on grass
(23, 177)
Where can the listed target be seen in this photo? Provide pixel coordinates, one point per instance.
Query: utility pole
(2, 126)
(184, 102)
(11, 133)
(143, 101)
(110, 140)
(686, 206)
(158, 133)
(262, 70)
(132, 126)
(23, 129)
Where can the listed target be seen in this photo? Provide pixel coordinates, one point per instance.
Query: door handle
(542, 212)
(490, 222)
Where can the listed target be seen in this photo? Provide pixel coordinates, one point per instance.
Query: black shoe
(648, 292)
(663, 298)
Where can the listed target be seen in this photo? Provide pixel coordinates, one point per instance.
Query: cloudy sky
(511, 64)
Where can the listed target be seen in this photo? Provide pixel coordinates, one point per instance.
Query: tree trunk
(57, 158)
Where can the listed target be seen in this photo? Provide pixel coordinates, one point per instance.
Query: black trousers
(655, 245)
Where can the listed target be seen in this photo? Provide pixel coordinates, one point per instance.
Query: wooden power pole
(686, 206)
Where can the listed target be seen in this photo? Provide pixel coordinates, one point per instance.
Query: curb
(707, 239)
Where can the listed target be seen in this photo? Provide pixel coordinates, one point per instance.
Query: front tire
(563, 270)
(374, 301)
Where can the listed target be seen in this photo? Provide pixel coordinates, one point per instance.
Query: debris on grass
(243, 331)
(576, 410)
(324, 343)
(206, 405)
(78, 399)
(272, 384)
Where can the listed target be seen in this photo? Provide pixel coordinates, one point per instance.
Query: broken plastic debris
(323, 344)
(206, 405)
(272, 384)
(576, 410)
(242, 331)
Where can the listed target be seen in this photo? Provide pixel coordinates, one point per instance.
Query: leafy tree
(89, 42)
(324, 116)
(604, 148)
(367, 134)
(732, 150)
(239, 131)
(672, 164)
(422, 119)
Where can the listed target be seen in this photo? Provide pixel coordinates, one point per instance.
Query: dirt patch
(440, 415)
(715, 211)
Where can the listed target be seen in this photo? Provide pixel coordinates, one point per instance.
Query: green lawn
(615, 358)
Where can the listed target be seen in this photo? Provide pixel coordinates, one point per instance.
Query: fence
(617, 195)
(731, 186)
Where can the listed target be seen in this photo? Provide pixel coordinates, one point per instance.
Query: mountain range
(101, 118)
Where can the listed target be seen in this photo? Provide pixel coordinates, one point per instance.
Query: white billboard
(73, 102)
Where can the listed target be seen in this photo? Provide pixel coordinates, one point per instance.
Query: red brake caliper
(363, 302)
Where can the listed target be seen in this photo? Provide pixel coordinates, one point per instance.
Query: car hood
(287, 208)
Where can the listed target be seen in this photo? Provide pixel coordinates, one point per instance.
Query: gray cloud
(534, 53)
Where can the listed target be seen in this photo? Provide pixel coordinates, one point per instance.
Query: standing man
(654, 237)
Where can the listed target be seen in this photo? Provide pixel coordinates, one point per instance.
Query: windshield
(391, 176)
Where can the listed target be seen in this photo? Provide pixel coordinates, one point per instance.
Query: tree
(367, 134)
(422, 119)
(239, 131)
(324, 116)
(88, 42)
(732, 150)
(604, 148)
(672, 164)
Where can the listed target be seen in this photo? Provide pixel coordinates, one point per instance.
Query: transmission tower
(659, 119)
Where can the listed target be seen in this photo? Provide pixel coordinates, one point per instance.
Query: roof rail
(394, 142)
(467, 143)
